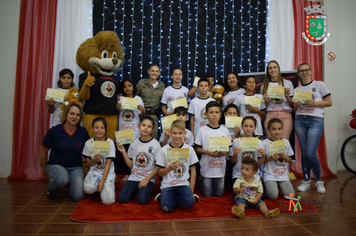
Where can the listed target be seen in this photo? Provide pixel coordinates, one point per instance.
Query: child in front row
(249, 190)
(212, 163)
(101, 176)
(177, 185)
(141, 158)
(182, 114)
(275, 171)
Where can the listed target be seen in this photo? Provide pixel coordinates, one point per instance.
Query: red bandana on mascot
(100, 57)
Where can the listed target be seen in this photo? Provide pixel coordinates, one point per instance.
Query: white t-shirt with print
(280, 104)
(197, 109)
(320, 91)
(211, 167)
(230, 97)
(144, 156)
(180, 176)
(170, 93)
(240, 103)
(277, 170)
(130, 119)
(98, 168)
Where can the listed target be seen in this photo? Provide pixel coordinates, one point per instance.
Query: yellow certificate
(125, 136)
(167, 121)
(253, 101)
(276, 147)
(196, 79)
(301, 96)
(101, 147)
(56, 94)
(232, 121)
(178, 154)
(218, 144)
(180, 102)
(248, 144)
(275, 92)
(129, 103)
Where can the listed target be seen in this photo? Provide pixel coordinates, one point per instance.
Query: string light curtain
(196, 36)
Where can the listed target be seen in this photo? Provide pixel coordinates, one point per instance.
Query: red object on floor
(89, 210)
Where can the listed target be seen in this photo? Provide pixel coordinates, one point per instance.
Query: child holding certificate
(277, 95)
(247, 146)
(249, 190)
(197, 107)
(177, 167)
(212, 142)
(65, 82)
(182, 114)
(251, 104)
(129, 118)
(99, 152)
(275, 170)
(141, 158)
(174, 92)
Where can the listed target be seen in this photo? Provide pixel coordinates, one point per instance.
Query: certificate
(196, 79)
(101, 147)
(253, 101)
(56, 94)
(167, 121)
(232, 121)
(301, 96)
(178, 154)
(248, 144)
(218, 144)
(276, 147)
(180, 102)
(275, 92)
(129, 103)
(125, 136)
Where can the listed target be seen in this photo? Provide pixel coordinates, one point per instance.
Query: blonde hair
(268, 77)
(178, 124)
(66, 111)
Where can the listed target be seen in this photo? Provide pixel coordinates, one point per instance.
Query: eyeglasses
(303, 71)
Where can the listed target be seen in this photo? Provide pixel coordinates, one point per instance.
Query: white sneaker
(320, 187)
(303, 186)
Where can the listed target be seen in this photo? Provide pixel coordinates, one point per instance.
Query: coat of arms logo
(315, 27)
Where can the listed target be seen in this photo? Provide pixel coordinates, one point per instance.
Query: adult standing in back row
(151, 90)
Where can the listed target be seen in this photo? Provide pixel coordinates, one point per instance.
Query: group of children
(233, 168)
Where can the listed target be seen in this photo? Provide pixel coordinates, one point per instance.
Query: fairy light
(215, 44)
(169, 41)
(188, 51)
(153, 11)
(196, 37)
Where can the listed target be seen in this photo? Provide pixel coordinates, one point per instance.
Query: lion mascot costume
(100, 57)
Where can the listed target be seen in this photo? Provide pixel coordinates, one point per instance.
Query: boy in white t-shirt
(173, 92)
(212, 163)
(177, 184)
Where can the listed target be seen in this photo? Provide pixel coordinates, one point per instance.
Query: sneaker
(196, 197)
(94, 196)
(304, 186)
(51, 196)
(237, 212)
(272, 213)
(320, 187)
(123, 181)
(158, 197)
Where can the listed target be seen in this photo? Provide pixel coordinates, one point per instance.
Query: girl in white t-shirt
(101, 176)
(232, 89)
(128, 119)
(275, 170)
(278, 108)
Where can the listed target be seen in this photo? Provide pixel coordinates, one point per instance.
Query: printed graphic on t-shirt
(100, 165)
(276, 101)
(216, 163)
(231, 101)
(179, 172)
(280, 161)
(248, 155)
(249, 191)
(142, 160)
(108, 89)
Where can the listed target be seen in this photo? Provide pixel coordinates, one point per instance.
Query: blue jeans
(130, 189)
(211, 186)
(91, 186)
(173, 197)
(248, 204)
(309, 130)
(62, 176)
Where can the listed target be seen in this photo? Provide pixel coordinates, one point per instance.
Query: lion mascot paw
(72, 96)
(217, 92)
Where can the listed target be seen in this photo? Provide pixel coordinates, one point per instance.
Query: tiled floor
(25, 210)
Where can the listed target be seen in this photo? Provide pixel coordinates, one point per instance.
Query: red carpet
(89, 210)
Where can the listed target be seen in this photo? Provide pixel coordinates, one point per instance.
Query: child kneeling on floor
(249, 190)
(177, 159)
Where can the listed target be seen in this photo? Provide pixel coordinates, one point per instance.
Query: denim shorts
(247, 203)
